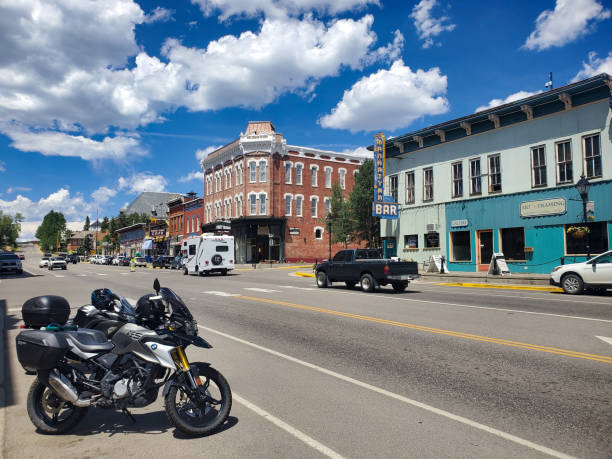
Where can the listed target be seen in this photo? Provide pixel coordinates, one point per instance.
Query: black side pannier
(43, 310)
(40, 349)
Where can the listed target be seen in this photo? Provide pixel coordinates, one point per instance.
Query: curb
(2, 379)
(297, 273)
(501, 286)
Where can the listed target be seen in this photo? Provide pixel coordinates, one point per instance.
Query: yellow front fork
(182, 358)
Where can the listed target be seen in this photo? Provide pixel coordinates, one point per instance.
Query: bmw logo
(153, 346)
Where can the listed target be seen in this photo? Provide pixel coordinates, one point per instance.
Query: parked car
(10, 262)
(163, 261)
(594, 274)
(21, 256)
(116, 260)
(140, 261)
(177, 262)
(57, 262)
(44, 262)
(124, 261)
(73, 258)
(367, 267)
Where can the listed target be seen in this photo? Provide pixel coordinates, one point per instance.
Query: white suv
(595, 274)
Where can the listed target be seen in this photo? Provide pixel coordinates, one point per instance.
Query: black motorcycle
(79, 368)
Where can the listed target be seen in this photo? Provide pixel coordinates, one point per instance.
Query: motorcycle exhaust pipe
(65, 390)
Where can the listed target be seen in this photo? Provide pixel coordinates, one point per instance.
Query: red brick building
(274, 195)
(193, 217)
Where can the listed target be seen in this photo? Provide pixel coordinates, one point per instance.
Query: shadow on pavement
(6, 380)
(18, 276)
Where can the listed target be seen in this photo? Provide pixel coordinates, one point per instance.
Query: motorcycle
(79, 368)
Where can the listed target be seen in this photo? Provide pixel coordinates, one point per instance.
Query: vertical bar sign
(379, 167)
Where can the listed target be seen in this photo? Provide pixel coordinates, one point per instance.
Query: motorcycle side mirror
(156, 286)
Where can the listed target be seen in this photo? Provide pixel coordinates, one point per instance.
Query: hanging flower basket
(578, 232)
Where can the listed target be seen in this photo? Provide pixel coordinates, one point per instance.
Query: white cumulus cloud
(595, 66)
(103, 194)
(365, 106)
(143, 181)
(193, 175)
(203, 153)
(277, 8)
(511, 98)
(72, 206)
(359, 152)
(14, 189)
(428, 26)
(569, 20)
(159, 14)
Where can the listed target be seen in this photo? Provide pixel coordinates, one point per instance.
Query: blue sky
(100, 100)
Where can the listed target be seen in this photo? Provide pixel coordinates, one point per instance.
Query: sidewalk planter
(578, 232)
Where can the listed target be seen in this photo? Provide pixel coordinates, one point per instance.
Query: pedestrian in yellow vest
(132, 265)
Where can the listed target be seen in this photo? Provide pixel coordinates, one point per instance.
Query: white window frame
(475, 178)
(342, 174)
(290, 196)
(394, 192)
(564, 164)
(252, 203)
(408, 189)
(585, 167)
(314, 176)
(457, 181)
(491, 173)
(315, 207)
(299, 167)
(326, 205)
(537, 169)
(299, 209)
(252, 171)
(328, 176)
(427, 198)
(322, 232)
(263, 171)
(263, 205)
(288, 165)
(229, 177)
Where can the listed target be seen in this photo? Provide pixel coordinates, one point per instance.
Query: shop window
(592, 156)
(598, 239)
(538, 166)
(457, 179)
(411, 241)
(513, 243)
(432, 240)
(460, 246)
(410, 187)
(564, 162)
(475, 180)
(495, 179)
(428, 184)
(393, 185)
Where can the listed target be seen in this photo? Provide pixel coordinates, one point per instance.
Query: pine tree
(87, 223)
(340, 216)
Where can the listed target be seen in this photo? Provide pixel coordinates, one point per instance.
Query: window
(598, 236)
(288, 173)
(342, 173)
(253, 203)
(318, 232)
(252, 172)
(428, 184)
(298, 174)
(475, 185)
(432, 240)
(221, 248)
(495, 183)
(564, 162)
(592, 156)
(288, 204)
(460, 246)
(457, 177)
(192, 250)
(262, 204)
(262, 171)
(328, 177)
(411, 241)
(198, 227)
(393, 185)
(313, 205)
(314, 170)
(538, 166)
(410, 187)
(340, 256)
(513, 243)
(298, 206)
(327, 203)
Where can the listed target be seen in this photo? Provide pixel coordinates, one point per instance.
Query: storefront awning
(147, 244)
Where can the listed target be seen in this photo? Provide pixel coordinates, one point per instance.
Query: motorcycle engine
(125, 387)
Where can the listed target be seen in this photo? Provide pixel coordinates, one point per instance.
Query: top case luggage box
(44, 310)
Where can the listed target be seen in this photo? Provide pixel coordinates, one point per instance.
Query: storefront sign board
(435, 264)
(379, 167)
(459, 223)
(544, 207)
(294, 231)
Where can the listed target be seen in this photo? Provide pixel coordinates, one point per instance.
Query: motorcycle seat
(91, 341)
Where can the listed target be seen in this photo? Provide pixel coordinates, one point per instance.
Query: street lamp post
(583, 186)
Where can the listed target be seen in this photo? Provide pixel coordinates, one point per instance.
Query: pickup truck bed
(361, 266)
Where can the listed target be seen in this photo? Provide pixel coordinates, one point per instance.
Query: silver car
(57, 262)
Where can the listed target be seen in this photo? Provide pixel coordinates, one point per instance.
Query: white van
(208, 253)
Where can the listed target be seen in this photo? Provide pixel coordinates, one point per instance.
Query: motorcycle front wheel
(49, 413)
(200, 417)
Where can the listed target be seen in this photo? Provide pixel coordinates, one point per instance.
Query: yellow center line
(440, 331)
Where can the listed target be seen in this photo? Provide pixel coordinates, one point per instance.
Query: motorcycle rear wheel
(49, 413)
(193, 417)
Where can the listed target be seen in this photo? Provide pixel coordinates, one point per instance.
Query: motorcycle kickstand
(129, 415)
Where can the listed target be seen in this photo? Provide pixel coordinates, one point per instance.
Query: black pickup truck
(367, 267)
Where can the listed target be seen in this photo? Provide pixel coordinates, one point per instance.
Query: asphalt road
(434, 372)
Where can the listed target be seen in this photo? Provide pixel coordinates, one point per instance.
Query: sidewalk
(484, 278)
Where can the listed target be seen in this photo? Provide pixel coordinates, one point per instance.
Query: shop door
(485, 249)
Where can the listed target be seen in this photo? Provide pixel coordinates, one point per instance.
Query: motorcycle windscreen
(176, 304)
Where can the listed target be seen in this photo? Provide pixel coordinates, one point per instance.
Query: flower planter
(578, 234)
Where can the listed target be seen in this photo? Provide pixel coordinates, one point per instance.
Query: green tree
(9, 229)
(87, 224)
(66, 235)
(86, 246)
(104, 224)
(365, 227)
(49, 232)
(341, 224)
